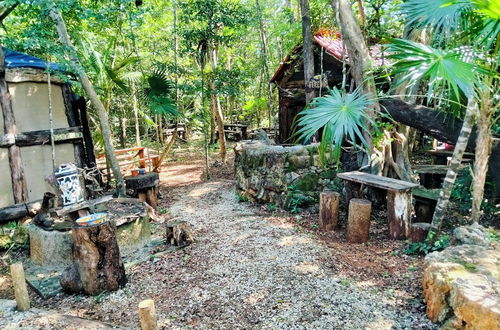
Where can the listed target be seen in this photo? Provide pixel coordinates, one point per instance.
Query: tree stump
(419, 231)
(358, 223)
(179, 233)
(97, 264)
(145, 186)
(328, 210)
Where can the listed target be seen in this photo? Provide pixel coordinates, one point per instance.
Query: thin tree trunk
(135, 105)
(217, 108)
(483, 150)
(308, 50)
(94, 98)
(166, 150)
(362, 17)
(266, 66)
(451, 175)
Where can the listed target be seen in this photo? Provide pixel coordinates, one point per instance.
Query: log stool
(97, 265)
(328, 210)
(358, 223)
(145, 186)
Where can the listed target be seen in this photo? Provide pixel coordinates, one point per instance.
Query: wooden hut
(26, 154)
(289, 78)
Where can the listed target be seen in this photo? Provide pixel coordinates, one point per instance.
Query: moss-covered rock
(306, 182)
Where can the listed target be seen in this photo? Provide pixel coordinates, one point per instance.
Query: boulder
(474, 234)
(462, 285)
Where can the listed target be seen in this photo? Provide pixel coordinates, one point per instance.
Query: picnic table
(236, 132)
(399, 198)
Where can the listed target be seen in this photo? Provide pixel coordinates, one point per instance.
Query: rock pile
(287, 176)
(462, 283)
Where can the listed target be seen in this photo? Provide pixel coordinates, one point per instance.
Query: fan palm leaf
(156, 94)
(453, 68)
(342, 116)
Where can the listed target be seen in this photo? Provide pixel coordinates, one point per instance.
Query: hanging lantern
(68, 182)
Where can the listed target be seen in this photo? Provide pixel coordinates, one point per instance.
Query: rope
(51, 121)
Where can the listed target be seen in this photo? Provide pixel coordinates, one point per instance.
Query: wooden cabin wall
(289, 108)
(29, 92)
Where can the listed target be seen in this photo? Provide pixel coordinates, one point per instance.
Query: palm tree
(452, 68)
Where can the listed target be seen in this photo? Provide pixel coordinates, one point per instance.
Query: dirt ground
(252, 268)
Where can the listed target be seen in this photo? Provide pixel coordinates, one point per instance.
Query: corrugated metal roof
(335, 48)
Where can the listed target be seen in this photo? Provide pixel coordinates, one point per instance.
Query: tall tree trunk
(361, 66)
(216, 108)
(123, 127)
(263, 38)
(94, 98)
(166, 150)
(308, 50)
(482, 154)
(451, 175)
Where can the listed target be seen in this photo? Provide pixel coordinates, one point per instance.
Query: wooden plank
(432, 194)
(448, 153)
(33, 138)
(377, 181)
(83, 205)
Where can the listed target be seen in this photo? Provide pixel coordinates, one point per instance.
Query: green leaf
(342, 116)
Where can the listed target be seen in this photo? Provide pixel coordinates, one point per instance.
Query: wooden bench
(135, 157)
(399, 198)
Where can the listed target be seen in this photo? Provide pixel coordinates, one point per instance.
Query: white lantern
(68, 181)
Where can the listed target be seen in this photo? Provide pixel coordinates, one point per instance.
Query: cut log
(328, 210)
(18, 211)
(442, 126)
(179, 233)
(97, 264)
(145, 185)
(20, 287)
(399, 209)
(147, 315)
(358, 223)
(419, 231)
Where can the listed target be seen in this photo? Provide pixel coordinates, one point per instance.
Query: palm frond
(342, 116)
(453, 68)
(156, 95)
(444, 16)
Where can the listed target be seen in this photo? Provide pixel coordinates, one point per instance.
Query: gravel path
(245, 271)
(251, 272)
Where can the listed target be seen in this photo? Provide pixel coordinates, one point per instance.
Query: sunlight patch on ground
(200, 191)
(293, 240)
(380, 323)
(257, 296)
(307, 268)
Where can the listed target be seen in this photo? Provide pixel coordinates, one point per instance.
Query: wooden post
(142, 161)
(399, 210)
(328, 210)
(98, 266)
(20, 287)
(358, 223)
(352, 190)
(19, 187)
(147, 315)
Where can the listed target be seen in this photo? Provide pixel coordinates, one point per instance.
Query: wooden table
(145, 186)
(440, 157)
(399, 198)
(235, 132)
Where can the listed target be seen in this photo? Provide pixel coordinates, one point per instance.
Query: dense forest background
(131, 49)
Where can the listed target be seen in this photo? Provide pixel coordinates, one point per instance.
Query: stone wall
(286, 176)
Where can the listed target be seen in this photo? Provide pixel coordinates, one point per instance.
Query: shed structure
(329, 66)
(27, 82)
